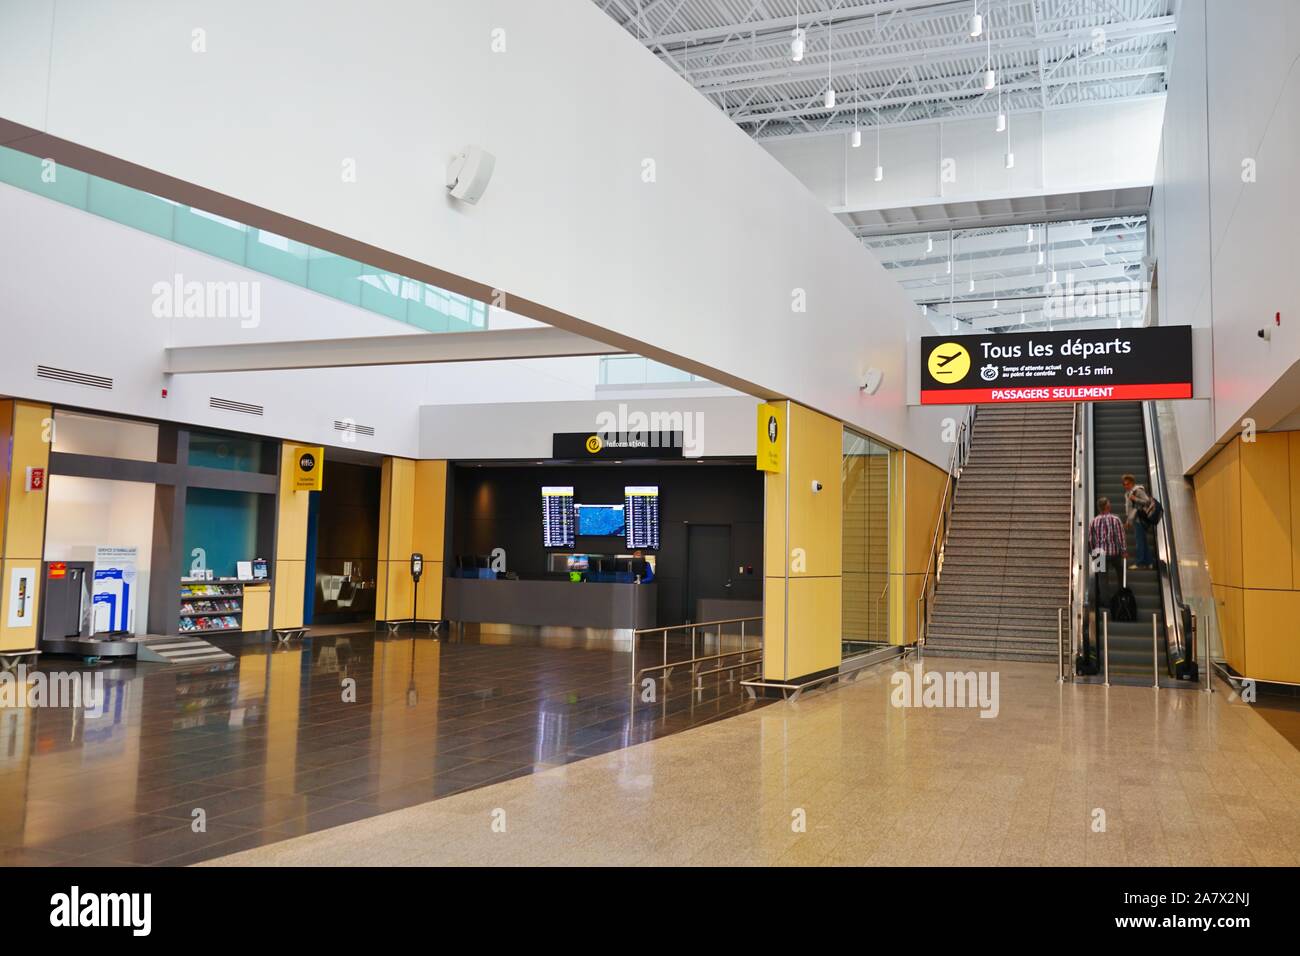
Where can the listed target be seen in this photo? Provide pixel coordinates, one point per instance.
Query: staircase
(1119, 447)
(1005, 568)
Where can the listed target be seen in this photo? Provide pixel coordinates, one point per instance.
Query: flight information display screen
(557, 516)
(641, 509)
(600, 519)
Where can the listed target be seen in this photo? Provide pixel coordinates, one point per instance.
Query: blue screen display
(600, 519)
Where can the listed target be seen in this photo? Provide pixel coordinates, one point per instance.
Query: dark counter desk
(549, 603)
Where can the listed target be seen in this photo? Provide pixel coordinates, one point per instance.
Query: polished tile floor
(288, 741)
(1064, 774)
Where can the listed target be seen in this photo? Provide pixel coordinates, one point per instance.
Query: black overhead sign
(1090, 366)
(608, 446)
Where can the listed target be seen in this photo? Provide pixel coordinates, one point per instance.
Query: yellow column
(915, 495)
(803, 556)
(1248, 500)
(24, 432)
(412, 518)
(290, 574)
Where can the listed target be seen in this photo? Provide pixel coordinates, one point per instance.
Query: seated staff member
(649, 568)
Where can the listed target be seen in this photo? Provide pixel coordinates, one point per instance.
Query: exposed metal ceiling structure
(903, 62)
(1059, 275)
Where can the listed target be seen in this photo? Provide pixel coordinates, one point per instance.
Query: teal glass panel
(334, 276)
(224, 525)
(277, 256)
(382, 292)
(60, 183)
(426, 311)
(230, 452)
(210, 233)
(131, 207)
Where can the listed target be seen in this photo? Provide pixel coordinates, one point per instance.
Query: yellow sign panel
(949, 362)
(308, 468)
(771, 437)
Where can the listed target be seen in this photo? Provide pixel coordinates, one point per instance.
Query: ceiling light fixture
(797, 43)
(880, 170)
(976, 21)
(830, 60)
(929, 244)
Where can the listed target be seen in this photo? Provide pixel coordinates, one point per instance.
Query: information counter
(550, 603)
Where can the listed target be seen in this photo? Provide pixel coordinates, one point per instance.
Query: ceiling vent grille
(227, 405)
(352, 428)
(73, 378)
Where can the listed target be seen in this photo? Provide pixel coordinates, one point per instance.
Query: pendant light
(880, 170)
(797, 35)
(830, 59)
(976, 21)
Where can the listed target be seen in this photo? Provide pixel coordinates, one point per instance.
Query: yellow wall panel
(19, 638)
(430, 596)
(290, 580)
(816, 454)
(1232, 527)
(257, 607)
(399, 604)
(401, 523)
(1272, 637)
(291, 529)
(814, 625)
(807, 638)
(24, 440)
(430, 504)
(925, 486)
(24, 532)
(1266, 512)
(1293, 449)
(1231, 626)
(774, 628)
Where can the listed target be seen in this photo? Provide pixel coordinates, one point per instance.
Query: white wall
(85, 513)
(713, 427)
(701, 263)
(1077, 149)
(1226, 247)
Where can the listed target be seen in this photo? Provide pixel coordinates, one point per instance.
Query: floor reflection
(176, 764)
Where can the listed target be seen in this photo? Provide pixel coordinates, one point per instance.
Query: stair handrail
(1177, 613)
(956, 462)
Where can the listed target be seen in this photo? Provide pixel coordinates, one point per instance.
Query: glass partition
(865, 489)
(416, 303)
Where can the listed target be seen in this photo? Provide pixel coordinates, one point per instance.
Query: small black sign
(608, 446)
(1079, 366)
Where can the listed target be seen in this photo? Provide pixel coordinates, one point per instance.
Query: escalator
(1157, 645)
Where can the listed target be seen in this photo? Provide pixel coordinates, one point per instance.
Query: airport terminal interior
(649, 432)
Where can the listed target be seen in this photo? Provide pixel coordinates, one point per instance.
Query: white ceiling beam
(417, 349)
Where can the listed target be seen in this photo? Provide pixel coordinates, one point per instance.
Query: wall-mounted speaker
(469, 172)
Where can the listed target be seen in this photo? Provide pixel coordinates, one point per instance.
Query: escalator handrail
(1176, 640)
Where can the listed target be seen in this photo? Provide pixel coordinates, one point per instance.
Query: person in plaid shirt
(1106, 531)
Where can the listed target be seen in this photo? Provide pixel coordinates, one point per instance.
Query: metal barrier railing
(695, 660)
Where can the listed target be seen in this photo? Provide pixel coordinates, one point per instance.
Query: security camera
(1266, 334)
(816, 485)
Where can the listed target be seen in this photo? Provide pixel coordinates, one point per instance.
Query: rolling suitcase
(1123, 604)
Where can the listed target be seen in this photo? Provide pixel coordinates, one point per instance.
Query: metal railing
(666, 667)
(934, 564)
(1080, 479)
(1180, 650)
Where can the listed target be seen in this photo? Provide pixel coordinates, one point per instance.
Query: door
(708, 565)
